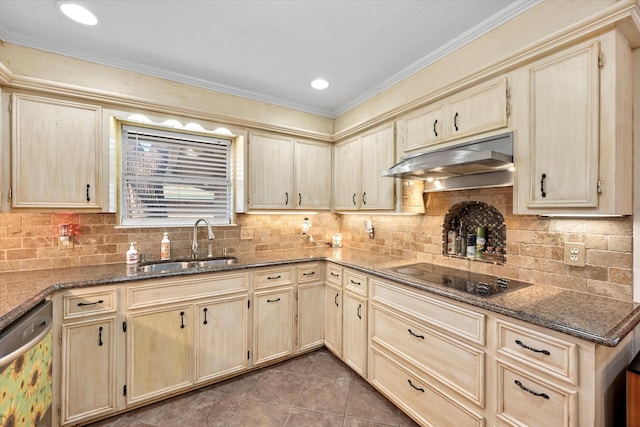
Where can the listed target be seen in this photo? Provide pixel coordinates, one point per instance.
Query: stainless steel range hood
(487, 162)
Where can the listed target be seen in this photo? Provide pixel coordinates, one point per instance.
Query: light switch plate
(574, 254)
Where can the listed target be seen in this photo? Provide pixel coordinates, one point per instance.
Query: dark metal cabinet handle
(355, 283)
(88, 196)
(335, 274)
(358, 311)
(435, 132)
(273, 300)
(273, 277)
(336, 299)
(182, 320)
(455, 121)
(84, 304)
(286, 198)
(353, 199)
(100, 336)
(414, 387)
(543, 395)
(309, 274)
(299, 198)
(364, 198)
(545, 352)
(204, 310)
(542, 178)
(415, 335)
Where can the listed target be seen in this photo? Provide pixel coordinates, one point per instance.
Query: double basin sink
(181, 265)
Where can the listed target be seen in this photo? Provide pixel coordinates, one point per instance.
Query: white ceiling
(268, 50)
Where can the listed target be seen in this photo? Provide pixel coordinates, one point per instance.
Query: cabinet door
(221, 337)
(348, 175)
(333, 319)
(56, 154)
(313, 175)
(354, 339)
(272, 324)
(378, 154)
(563, 134)
(480, 109)
(88, 369)
(159, 352)
(422, 128)
(270, 172)
(310, 316)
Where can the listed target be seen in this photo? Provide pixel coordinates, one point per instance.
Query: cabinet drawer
(274, 277)
(83, 303)
(525, 400)
(309, 273)
(181, 290)
(355, 282)
(554, 356)
(334, 275)
(450, 318)
(455, 364)
(425, 403)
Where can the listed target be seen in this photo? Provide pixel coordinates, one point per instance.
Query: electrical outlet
(574, 254)
(246, 233)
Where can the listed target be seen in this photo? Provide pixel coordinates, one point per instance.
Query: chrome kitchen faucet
(194, 244)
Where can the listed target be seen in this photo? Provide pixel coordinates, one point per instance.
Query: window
(172, 177)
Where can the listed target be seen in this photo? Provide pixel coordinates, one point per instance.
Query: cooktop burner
(473, 283)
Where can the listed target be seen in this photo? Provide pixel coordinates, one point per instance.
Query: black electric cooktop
(473, 283)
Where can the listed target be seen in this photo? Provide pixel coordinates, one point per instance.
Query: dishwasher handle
(40, 330)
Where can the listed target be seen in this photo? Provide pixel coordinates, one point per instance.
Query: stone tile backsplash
(535, 245)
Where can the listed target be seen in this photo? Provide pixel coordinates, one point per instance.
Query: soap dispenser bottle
(132, 254)
(165, 247)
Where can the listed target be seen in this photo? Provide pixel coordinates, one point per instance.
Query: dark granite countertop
(597, 319)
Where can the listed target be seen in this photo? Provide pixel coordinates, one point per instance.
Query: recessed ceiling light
(319, 84)
(77, 12)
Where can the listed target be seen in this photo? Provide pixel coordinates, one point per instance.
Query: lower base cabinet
(333, 319)
(273, 325)
(354, 339)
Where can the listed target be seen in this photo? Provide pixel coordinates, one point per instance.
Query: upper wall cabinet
(359, 162)
(288, 174)
(482, 108)
(56, 154)
(573, 153)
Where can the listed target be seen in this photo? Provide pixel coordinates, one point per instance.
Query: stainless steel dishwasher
(26, 349)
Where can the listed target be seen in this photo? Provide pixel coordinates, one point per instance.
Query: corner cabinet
(359, 162)
(285, 173)
(56, 154)
(573, 153)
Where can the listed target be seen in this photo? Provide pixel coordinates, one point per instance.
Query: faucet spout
(194, 243)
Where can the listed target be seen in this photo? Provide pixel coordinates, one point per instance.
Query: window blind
(171, 178)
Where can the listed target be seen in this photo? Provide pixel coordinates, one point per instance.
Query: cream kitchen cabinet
(90, 338)
(273, 314)
(481, 109)
(354, 322)
(359, 163)
(333, 309)
(310, 308)
(57, 152)
(285, 173)
(573, 153)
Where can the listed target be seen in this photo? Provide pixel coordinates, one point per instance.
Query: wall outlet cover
(574, 254)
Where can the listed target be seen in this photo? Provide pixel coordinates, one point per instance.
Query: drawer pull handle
(336, 299)
(535, 350)
(415, 335)
(356, 283)
(182, 320)
(435, 132)
(274, 277)
(358, 311)
(455, 121)
(416, 388)
(543, 395)
(205, 315)
(309, 274)
(335, 274)
(273, 300)
(84, 304)
(100, 336)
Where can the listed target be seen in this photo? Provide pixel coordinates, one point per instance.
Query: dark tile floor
(315, 389)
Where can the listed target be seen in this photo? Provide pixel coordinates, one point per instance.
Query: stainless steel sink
(169, 266)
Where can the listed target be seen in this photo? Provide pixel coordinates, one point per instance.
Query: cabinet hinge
(10, 104)
(248, 355)
(601, 61)
(10, 192)
(59, 410)
(248, 303)
(124, 390)
(124, 326)
(296, 295)
(60, 338)
(296, 318)
(599, 188)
